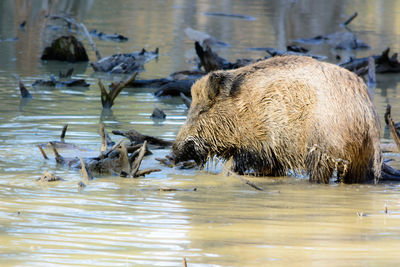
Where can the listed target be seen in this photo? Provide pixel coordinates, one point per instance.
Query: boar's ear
(219, 83)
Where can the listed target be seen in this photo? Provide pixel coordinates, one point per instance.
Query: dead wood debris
(124, 63)
(158, 114)
(138, 138)
(383, 64)
(81, 27)
(64, 79)
(112, 37)
(22, 89)
(389, 173)
(210, 60)
(120, 158)
(49, 177)
(65, 48)
(107, 98)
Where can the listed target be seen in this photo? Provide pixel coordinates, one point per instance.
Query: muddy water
(128, 222)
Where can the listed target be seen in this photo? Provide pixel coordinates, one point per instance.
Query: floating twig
(230, 172)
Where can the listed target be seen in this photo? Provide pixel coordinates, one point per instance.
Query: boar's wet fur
(288, 113)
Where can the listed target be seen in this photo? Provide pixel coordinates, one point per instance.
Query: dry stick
(389, 121)
(146, 171)
(124, 160)
(63, 131)
(90, 40)
(103, 138)
(186, 100)
(59, 158)
(350, 19)
(229, 172)
(42, 151)
(84, 171)
(138, 160)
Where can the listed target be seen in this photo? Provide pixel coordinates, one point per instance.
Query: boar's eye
(204, 110)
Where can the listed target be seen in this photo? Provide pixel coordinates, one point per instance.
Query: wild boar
(288, 114)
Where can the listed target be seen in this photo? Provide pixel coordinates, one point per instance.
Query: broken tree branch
(350, 19)
(138, 160)
(107, 98)
(42, 151)
(63, 131)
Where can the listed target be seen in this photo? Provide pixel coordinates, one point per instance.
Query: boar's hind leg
(319, 168)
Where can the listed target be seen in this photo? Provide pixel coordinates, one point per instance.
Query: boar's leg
(318, 166)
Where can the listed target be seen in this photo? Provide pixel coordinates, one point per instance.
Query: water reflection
(128, 222)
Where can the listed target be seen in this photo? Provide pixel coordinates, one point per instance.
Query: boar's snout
(189, 149)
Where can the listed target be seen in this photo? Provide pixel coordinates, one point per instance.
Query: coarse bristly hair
(289, 113)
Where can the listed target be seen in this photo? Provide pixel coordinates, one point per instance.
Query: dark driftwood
(64, 79)
(24, 92)
(65, 48)
(138, 138)
(158, 114)
(383, 64)
(350, 19)
(82, 27)
(209, 60)
(124, 63)
(175, 88)
(112, 37)
(107, 98)
(394, 132)
(275, 52)
(63, 131)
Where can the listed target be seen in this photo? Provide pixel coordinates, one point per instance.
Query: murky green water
(128, 222)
